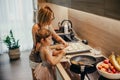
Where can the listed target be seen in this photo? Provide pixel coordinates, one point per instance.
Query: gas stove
(75, 75)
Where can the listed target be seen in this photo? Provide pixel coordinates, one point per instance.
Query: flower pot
(14, 54)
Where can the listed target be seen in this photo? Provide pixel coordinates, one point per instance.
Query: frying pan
(85, 60)
(84, 63)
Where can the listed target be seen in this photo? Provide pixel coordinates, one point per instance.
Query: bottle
(66, 28)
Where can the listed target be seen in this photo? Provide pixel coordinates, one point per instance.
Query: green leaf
(11, 42)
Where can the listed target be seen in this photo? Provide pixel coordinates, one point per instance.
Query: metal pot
(83, 64)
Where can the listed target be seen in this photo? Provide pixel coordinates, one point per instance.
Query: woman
(45, 17)
(46, 70)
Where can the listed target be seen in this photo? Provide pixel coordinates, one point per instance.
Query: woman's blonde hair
(44, 15)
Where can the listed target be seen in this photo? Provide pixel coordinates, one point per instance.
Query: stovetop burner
(72, 75)
(75, 75)
(76, 69)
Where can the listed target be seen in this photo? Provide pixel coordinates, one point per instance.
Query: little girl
(46, 70)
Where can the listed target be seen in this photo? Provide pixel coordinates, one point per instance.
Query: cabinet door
(112, 8)
(65, 3)
(91, 6)
(107, 8)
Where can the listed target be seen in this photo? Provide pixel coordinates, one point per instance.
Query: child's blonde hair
(42, 34)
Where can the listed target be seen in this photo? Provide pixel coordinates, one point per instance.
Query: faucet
(67, 25)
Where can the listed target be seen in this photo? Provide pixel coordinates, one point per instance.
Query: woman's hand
(65, 44)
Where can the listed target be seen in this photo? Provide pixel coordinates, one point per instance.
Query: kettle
(65, 26)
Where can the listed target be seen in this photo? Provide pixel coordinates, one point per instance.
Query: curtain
(18, 16)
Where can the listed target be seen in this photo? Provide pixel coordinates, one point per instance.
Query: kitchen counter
(74, 48)
(66, 74)
(63, 69)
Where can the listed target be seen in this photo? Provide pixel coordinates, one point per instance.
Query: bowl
(107, 74)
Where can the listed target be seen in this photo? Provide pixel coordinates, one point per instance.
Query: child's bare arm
(57, 46)
(54, 59)
(57, 52)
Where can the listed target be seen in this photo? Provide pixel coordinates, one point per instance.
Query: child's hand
(60, 47)
(63, 52)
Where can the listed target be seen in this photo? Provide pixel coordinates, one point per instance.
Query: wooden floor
(15, 70)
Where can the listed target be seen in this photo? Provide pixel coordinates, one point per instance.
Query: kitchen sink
(67, 38)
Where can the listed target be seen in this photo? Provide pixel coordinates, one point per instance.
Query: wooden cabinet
(112, 8)
(65, 3)
(108, 8)
(92, 6)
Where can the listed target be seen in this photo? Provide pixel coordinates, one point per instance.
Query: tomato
(109, 71)
(111, 67)
(99, 67)
(103, 69)
(106, 61)
(106, 66)
(113, 70)
(109, 64)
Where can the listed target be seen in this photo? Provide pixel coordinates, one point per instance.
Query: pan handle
(82, 72)
(99, 59)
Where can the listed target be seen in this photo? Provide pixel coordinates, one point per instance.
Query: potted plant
(13, 46)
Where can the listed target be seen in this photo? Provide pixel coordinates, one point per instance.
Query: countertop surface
(67, 74)
(64, 67)
(74, 49)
